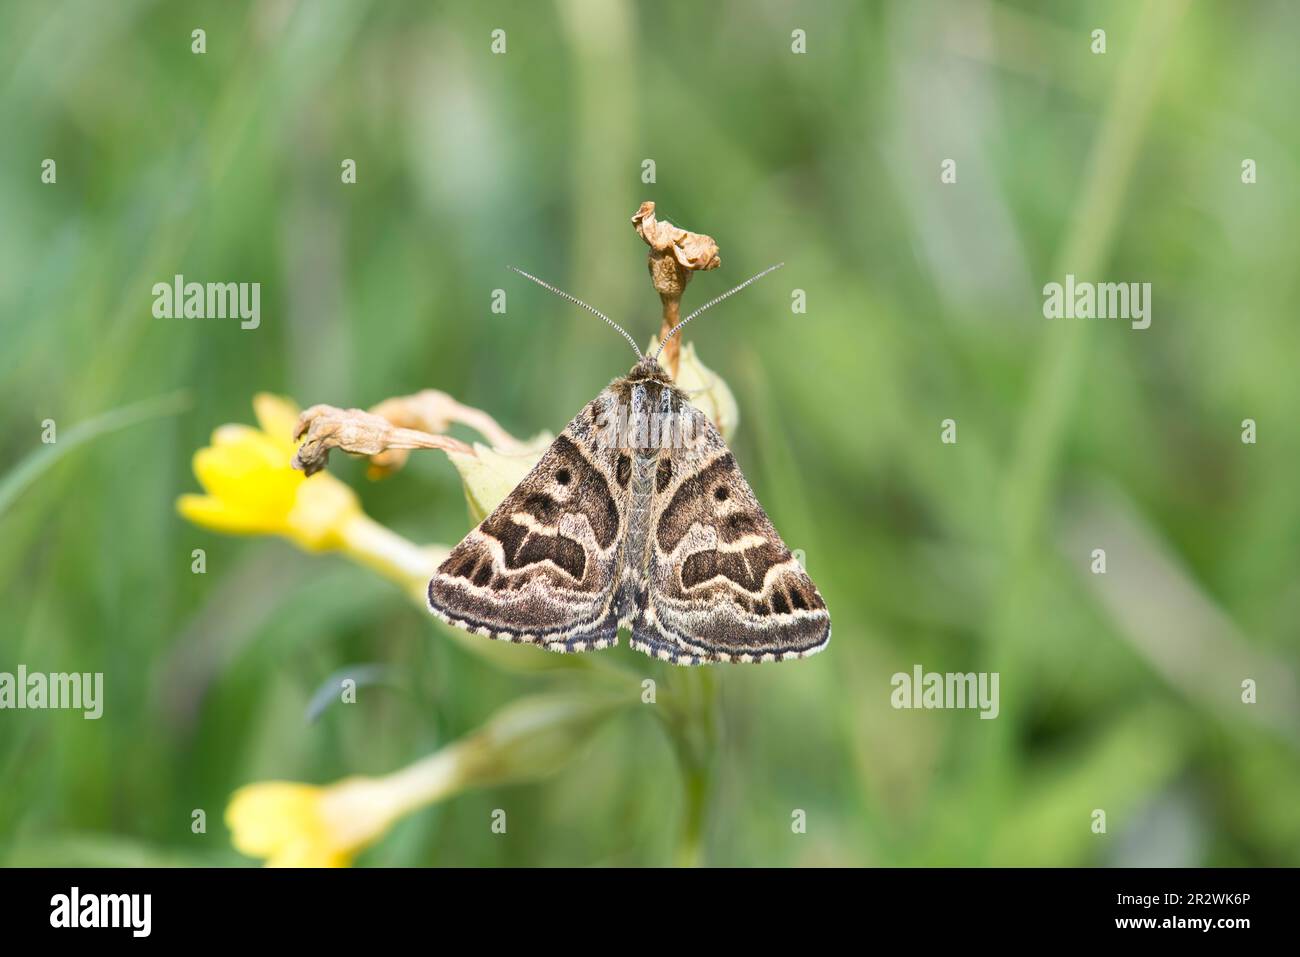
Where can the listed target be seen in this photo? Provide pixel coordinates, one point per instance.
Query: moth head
(648, 369)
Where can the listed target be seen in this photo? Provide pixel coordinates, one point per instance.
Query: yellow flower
(252, 489)
(298, 825)
(301, 825)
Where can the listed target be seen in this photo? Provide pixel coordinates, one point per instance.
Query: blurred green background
(1119, 692)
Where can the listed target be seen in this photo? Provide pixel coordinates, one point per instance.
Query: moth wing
(541, 568)
(722, 586)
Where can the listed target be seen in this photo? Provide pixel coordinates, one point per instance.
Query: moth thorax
(652, 421)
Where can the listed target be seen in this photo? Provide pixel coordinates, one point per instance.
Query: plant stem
(388, 553)
(673, 350)
(691, 719)
(690, 849)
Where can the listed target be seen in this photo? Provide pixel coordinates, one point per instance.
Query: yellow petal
(306, 854)
(322, 508)
(255, 444)
(237, 474)
(290, 824)
(276, 415)
(222, 516)
(277, 817)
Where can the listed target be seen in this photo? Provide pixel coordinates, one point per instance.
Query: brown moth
(637, 516)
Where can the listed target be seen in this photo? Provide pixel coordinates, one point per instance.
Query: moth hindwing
(637, 515)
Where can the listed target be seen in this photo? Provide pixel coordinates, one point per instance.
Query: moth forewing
(541, 568)
(722, 585)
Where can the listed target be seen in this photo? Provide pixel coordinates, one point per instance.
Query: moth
(636, 517)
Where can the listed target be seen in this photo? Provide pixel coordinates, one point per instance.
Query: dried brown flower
(359, 433)
(674, 254)
(433, 411)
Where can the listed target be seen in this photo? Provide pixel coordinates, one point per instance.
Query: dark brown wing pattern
(722, 586)
(541, 568)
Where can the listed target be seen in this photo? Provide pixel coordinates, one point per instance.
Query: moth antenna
(713, 302)
(578, 302)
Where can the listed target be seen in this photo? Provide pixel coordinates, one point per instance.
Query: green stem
(385, 551)
(690, 844)
(691, 720)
